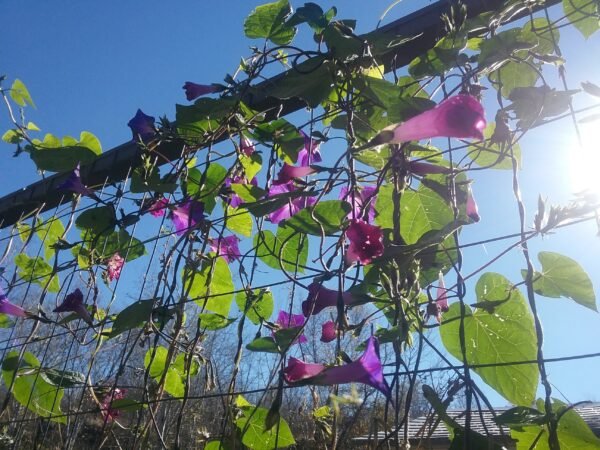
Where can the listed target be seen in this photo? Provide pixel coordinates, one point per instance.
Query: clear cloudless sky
(90, 65)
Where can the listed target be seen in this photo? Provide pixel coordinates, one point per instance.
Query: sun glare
(585, 160)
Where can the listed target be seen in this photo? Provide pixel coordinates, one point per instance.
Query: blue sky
(90, 65)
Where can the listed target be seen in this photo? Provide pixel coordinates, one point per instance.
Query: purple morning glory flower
(292, 207)
(328, 331)
(74, 303)
(157, 209)
(367, 370)
(472, 209)
(435, 309)
(460, 116)
(285, 320)
(73, 183)
(320, 297)
(247, 147)
(227, 247)
(8, 308)
(288, 173)
(365, 196)
(193, 90)
(187, 215)
(366, 242)
(310, 154)
(142, 126)
(114, 265)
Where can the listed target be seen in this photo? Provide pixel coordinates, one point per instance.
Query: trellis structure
(174, 367)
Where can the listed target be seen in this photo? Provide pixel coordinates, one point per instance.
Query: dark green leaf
(63, 378)
(289, 245)
(127, 404)
(120, 242)
(263, 344)
(268, 22)
(507, 335)
(519, 416)
(205, 187)
(274, 202)
(99, 220)
(488, 154)
(143, 181)
(312, 85)
(325, 218)
(29, 388)
(439, 59)
(135, 315)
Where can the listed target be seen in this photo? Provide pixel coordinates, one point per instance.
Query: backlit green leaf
(289, 245)
(563, 277)
(252, 424)
(256, 305)
(38, 271)
(268, 22)
(239, 221)
(20, 94)
(325, 218)
(507, 335)
(583, 14)
(210, 286)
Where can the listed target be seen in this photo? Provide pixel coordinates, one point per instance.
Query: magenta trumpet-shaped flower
(292, 207)
(367, 370)
(423, 168)
(460, 116)
(108, 411)
(288, 173)
(74, 303)
(114, 266)
(74, 184)
(435, 309)
(328, 331)
(472, 209)
(363, 196)
(310, 154)
(8, 308)
(320, 297)
(227, 247)
(298, 371)
(285, 320)
(187, 215)
(366, 242)
(194, 90)
(142, 126)
(247, 147)
(157, 209)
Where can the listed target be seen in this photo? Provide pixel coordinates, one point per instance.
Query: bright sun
(585, 160)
